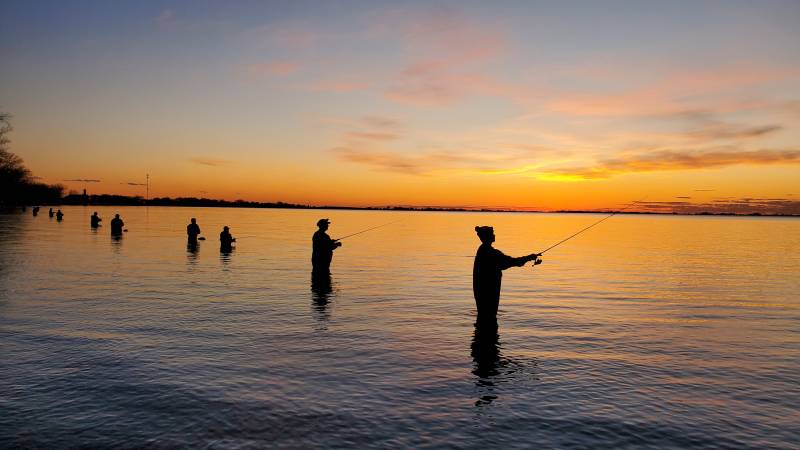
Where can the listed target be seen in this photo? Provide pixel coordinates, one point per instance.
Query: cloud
(372, 135)
(726, 131)
(684, 197)
(84, 180)
(273, 68)
(133, 183)
(674, 92)
(210, 161)
(337, 86)
(479, 162)
(449, 55)
(744, 205)
(387, 161)
(380, 122)
(164, 16)
(665, 160)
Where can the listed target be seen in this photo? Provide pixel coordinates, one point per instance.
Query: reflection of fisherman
(487, 273)
(323, 247)
(95, 220)
(116, 226)
(226, 240)
(59, 216)
(51, 213)
(192, 231)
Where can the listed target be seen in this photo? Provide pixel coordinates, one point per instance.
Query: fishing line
(592, 225)
(368, 229)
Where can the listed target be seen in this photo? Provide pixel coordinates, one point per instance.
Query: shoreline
(117, 200)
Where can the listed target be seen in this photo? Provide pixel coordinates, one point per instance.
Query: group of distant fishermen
(225, 239)
(487, 273)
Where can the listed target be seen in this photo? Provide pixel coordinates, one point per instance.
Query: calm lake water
(646, 331)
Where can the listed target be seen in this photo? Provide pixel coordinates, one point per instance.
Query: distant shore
(122, 200)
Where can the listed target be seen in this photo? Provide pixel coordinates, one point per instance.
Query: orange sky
(474, 105)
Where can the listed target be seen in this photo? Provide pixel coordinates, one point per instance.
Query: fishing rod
(590, 226)
(368, 229)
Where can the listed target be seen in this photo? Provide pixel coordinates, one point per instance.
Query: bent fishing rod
(590, 226)
(368, 229)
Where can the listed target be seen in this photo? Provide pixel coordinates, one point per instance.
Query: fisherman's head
(323, 224)
(116, 215)
(95, 213)
(194, 220)
(225, 228)
(485, 234)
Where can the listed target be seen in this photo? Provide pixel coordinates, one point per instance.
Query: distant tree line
(18, 186)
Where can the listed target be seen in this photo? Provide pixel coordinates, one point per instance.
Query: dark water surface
(646, 332)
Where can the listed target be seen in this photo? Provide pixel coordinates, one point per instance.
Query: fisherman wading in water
(487, 274)
(323, 247)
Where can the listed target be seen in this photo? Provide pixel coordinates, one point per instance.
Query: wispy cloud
(210, 161)
(725, 131)
(412, 164)
(164, 16)
(427, 163)
(745, 205)
(372, 135)
(133, 183)
(274, 68)
(84, 180)
(337, 85)
(449, 56)
(665, 160)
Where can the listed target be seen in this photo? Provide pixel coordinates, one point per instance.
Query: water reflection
(116, 243)
(12, 229)
(192, 252)
(225, 256)
(490, 366)
(321, 290)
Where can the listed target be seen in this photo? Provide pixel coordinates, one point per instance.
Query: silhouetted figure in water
(192, 231)
(226, 240)
(95, 220)
(116, 226)
(323, 246)
(51, 213)
(487, 274)
(59, 216)
(35, 211)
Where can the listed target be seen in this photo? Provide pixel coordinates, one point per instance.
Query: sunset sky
(530, 105)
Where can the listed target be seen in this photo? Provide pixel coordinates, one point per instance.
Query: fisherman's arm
(505, 261)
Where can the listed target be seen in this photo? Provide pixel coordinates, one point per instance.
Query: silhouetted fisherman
(35, 211)
(487, 273)
(95, 220)
(226, 240)
(116, 226)
(322, 251)
(51, 213)
(59, 216)
(192, 231)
